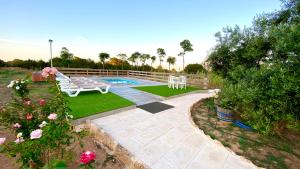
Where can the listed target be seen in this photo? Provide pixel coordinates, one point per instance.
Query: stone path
(168, 139)
(136, 96)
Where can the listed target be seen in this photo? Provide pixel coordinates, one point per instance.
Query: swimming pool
(120, 81)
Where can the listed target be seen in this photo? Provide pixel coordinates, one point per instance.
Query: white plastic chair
(171, 81)
(181, 82)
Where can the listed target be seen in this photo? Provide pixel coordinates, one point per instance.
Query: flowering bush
(87, 158)
(42, 128)
(20, 87)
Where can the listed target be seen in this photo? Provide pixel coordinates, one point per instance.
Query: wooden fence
(192, 79)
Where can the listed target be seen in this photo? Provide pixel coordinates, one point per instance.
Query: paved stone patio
(168, 139)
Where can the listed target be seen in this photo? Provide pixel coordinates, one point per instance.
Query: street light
(50, 41)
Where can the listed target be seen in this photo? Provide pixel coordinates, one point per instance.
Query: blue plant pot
(225, 114)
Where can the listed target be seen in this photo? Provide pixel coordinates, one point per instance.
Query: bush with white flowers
(19, 86)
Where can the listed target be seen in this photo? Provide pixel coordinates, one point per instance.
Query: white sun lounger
(73, 86)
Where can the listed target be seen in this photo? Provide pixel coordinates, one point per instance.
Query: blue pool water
(120, 81)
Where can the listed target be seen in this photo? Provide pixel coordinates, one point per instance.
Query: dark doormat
(155, 107)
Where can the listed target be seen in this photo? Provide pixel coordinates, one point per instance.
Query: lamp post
(50, 41)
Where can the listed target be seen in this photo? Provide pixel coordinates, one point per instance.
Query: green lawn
(90, 103)
(165, 91)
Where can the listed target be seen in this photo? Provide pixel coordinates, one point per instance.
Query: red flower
(87, 157)
(29, 116)
(27, 102)
(42, 102)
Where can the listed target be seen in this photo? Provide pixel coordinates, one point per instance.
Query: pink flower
(27, 102)
(19, 140)
(47, 69)
(52, 116)
(29, 116)
(87, 157)
(17, 125)
(36, 134)
(45, 74)
(42, 102)
(53, 71)
(2, 140)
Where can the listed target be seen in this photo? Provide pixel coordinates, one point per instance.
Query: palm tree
(161, 53)
(123, 57)
(103, 56)
(171, 60)
(187, 47)
(132, 60)
(153, 58)
(135, 56)
(144, 58)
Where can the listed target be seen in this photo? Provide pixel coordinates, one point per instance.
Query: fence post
(205, 83)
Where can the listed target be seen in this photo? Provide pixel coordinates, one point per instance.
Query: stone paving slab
(136, 96)
(168, 139)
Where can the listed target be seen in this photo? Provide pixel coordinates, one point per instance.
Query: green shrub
(261, 69)
(194, 68)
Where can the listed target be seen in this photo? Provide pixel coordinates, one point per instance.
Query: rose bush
(42, 127)
(19, 86)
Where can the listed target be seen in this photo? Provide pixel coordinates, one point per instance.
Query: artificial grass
(90, 103)
(165, 91)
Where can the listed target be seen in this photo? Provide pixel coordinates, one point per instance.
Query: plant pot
(225, 114)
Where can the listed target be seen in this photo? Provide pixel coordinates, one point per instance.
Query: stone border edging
(215, 140)
(113, 148)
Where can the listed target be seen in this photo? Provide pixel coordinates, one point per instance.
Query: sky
(88, 27)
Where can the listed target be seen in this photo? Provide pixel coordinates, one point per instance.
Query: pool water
(120, 81)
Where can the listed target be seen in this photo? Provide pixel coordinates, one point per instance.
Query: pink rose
(29, 116)
(47, 69)
(53, 71)
(87, 157)
(2, 140)
(19, 140)
(17, 125)
(36, 134)
(28, 102)
(52, 116)
(45, 74)
(42, 102)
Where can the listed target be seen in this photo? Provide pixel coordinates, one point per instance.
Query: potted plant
(224, 110)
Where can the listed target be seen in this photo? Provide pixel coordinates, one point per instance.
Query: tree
(123, 57)
(134, 58)
(194, 68)
(187, 47)
(103, 56)
(66, 56)
(161, 53)
(144, 58)
(261, 68)
(153, 58)
(2, 63)
(171, 60)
